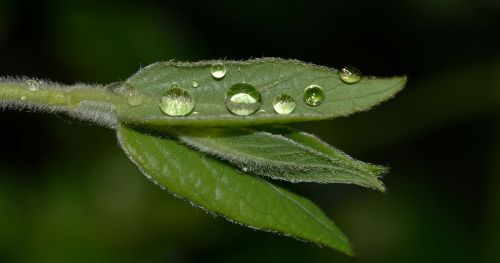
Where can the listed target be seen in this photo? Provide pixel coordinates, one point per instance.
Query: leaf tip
(401, 83)
(347, 249)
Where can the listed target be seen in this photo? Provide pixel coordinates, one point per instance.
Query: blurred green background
(68, 193)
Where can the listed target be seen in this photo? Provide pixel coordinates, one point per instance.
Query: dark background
(68, 193)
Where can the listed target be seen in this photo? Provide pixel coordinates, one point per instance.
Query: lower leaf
(281, 153)
(218, 187)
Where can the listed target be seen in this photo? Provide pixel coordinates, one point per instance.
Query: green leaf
(270, 76)
(282, 154)
(218, 187)
(137, 100)
(321, 146)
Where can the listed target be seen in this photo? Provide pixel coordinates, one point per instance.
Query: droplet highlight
(134, 99)
(349, 75)
(314, 95)
(218, 70)
(177, 102)
(195, 84)
(242, 99)
(284, 104)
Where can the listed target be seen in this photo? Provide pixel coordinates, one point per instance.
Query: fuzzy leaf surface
(270, 76)
(218, 187)
(282, 154)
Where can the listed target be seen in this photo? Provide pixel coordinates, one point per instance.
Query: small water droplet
(262, 111)
(245, 169)
(242, 99)
(134, 99)
(350, 75)
(314, 95)
(23, 98)
(177, 102)
(218, 70)
(195, 84)
(32, 84)
(284, 104)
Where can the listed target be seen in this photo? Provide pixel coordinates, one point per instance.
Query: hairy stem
(87, 102)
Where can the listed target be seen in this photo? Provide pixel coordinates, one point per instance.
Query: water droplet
(242, 99)
(284, 104)
(350, 75)
(134, 99)
(218, 70)
(195, 84)
(23, 98)
(32, 84)
(314, 95)
(177, 102)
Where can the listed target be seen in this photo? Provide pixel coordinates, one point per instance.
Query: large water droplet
(284, 104)
(32, 84)
(242, 99)
(218, 70)
(314, 95)
(177, 102)
(350, 75)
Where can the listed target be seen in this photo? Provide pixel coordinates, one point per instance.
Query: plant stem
(81, 101)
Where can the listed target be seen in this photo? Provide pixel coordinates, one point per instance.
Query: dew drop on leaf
(195, 84)
(242, 99)
(218, 70)
(284, 104)
(177, 102)
(314, 95)
(23, 98)
(134, 99)
(349, 75)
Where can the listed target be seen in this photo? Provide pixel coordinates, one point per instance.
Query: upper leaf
(271, 77)
(218, 187)
(281, 153)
